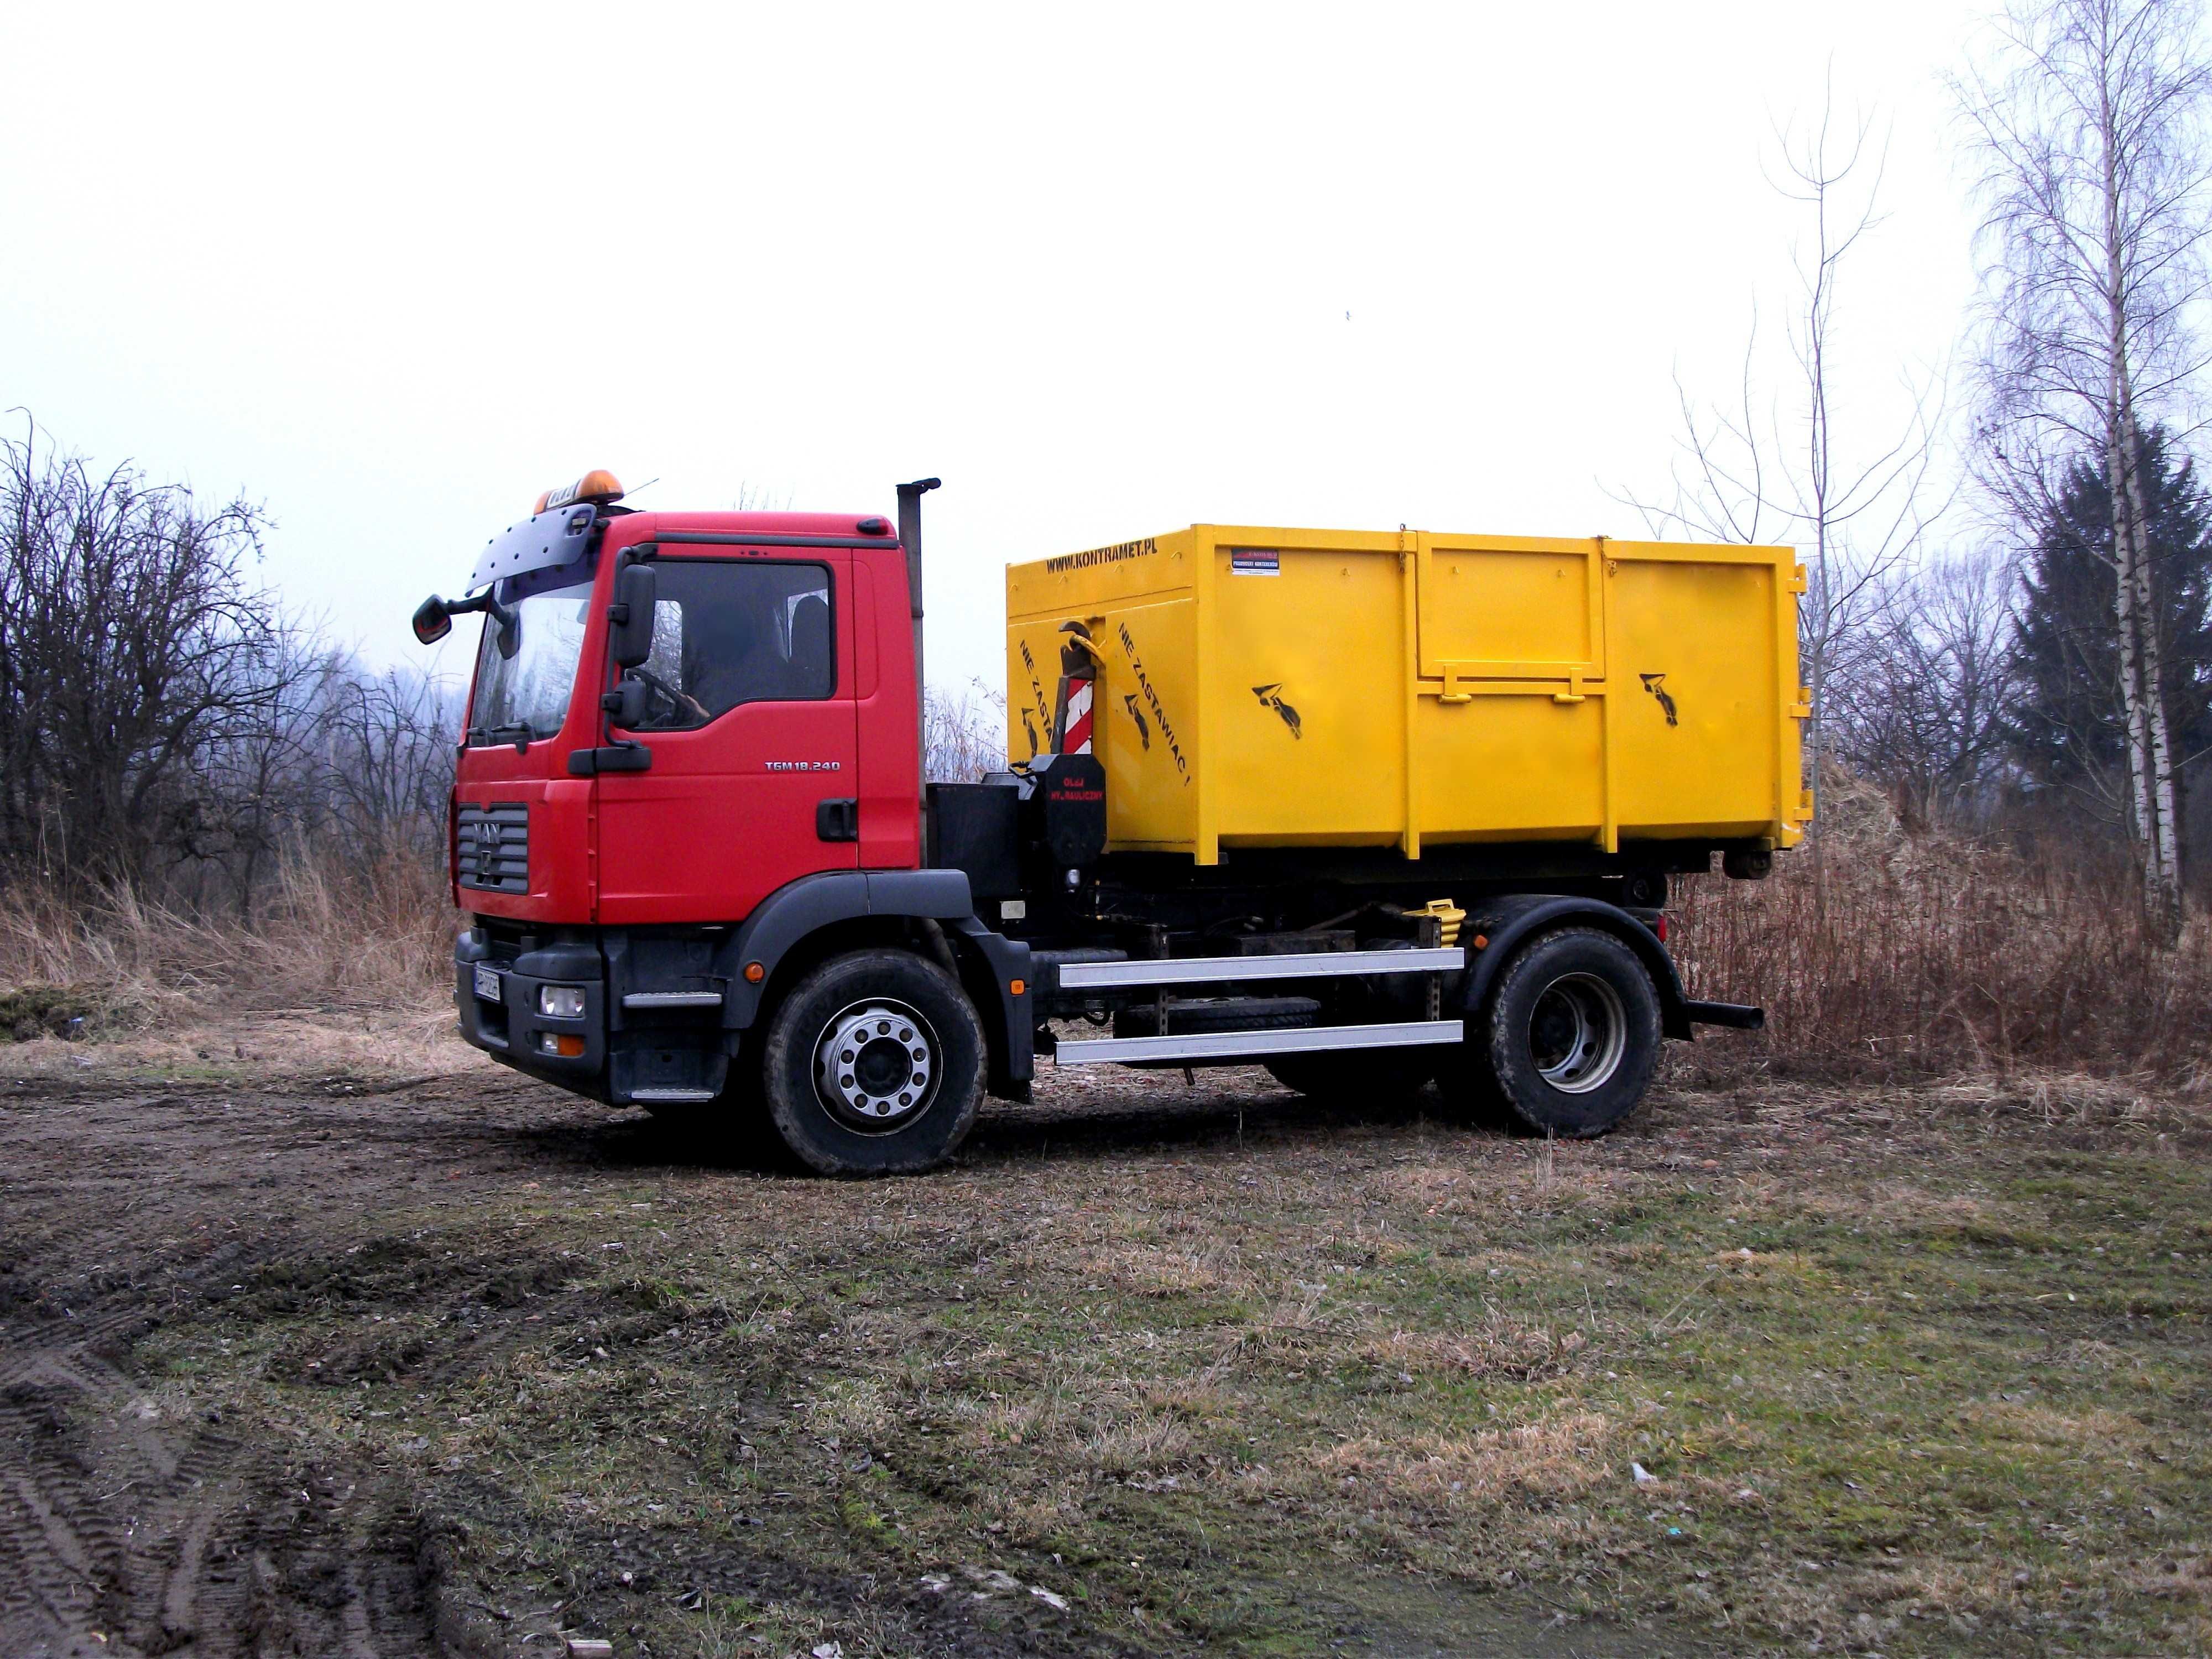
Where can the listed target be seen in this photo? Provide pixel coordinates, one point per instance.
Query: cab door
(752, 723)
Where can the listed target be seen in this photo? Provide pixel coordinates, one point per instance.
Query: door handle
(614, 757)
(837, 820)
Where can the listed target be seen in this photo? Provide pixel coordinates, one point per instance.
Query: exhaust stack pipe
(909, 529)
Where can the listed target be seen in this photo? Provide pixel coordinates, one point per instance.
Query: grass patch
(1895, 1383)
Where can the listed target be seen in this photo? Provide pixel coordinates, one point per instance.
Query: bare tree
(2089, 126)
(1924, 701)
(260, 775)
(128, 637)
(1774, 468)
(389, 743)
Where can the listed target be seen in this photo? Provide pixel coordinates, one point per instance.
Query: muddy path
(121, 1528)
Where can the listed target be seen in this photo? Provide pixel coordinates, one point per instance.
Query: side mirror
(433, 622)
(625, 705)
(630, 636)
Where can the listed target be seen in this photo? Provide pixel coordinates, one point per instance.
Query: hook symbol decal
(1144, 731)
(1271, 697)
(1656, 685)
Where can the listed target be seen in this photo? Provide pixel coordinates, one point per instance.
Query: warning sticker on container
(1254, 562)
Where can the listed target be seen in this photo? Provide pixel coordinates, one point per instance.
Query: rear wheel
(1568, 1041)
(873, 1065)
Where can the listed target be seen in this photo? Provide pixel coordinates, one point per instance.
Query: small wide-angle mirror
(630, 638)
(625, 704)
(433, 622)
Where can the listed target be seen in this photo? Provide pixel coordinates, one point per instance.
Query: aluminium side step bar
(1225, 1045)
(1229, 1045)
(1308, 965)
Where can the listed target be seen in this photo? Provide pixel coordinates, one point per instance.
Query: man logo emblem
(488, 837)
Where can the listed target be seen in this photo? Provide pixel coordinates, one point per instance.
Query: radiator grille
(493, 846)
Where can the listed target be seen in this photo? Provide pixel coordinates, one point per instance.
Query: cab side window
(728, 631)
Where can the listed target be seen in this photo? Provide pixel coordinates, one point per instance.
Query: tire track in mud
(120, 1535)
(123, 1533)
(129, 1526)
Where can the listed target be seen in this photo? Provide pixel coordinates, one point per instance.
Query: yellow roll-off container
(1277, 687)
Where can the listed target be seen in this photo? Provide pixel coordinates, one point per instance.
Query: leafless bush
(1941, 952)
(131, 643)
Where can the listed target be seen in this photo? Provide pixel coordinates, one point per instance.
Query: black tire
(901, 1089)
(1194, 1017)
(1377, 1077)
(1566, 1044)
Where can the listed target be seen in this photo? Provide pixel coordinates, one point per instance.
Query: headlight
(561, 1001)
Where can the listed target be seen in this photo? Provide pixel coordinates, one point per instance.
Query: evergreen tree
(2069, 731)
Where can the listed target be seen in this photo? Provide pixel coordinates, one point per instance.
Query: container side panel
(1694, 679)
(1309, 656)
(1146, 725)
(1487, 609)
(1510, 767)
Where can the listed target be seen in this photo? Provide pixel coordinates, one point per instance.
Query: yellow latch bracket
(1562, 682)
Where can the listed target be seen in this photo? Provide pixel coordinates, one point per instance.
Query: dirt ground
(352, 1363)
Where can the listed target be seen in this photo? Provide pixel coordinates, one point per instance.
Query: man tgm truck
(1368, 808)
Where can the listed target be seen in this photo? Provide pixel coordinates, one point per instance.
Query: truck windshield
(528, 692)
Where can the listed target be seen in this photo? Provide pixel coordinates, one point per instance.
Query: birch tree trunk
(2163, 842)
(2142, 683)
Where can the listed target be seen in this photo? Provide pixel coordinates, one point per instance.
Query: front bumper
(511, 1027)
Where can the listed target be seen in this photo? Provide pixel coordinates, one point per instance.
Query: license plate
(488, 985)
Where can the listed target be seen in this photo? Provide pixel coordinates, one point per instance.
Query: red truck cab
(652, 840)
(781, 698)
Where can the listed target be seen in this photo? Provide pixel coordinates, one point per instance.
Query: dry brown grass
(1561, 1456)
(343, 965)
(1882, 954)
(373, 926)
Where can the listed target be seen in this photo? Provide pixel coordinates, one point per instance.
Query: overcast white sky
(392, 271)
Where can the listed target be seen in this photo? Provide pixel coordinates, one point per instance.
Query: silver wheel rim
(1577, 1033)
(876, 1067)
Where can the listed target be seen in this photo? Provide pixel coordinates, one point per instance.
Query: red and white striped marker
(1076, 739)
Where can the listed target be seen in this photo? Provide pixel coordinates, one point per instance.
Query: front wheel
(1568, 1041)
(873, 1065)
